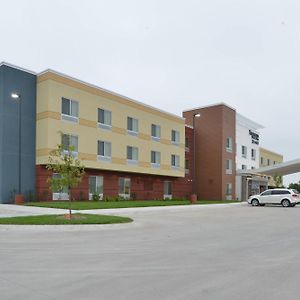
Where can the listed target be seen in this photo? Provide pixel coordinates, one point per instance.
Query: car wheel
(285, 203)
(255, 202)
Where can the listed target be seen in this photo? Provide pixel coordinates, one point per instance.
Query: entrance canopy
(285, 168)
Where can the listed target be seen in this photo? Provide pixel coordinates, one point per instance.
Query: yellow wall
(273, 157)
(52, 87)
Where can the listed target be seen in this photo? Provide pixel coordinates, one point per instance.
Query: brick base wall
(181, 187)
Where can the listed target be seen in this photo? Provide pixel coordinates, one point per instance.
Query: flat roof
(208, 106)
(285, 168)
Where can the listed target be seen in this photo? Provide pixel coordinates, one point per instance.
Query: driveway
(232, 252)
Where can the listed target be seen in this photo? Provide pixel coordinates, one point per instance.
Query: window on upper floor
(132, 126)
(132, 155)
(69, 143)
(175, 161)
(229, 144)
(155, 159)
(253, 154)
(261, 160)
(268, 162)
(104, 118)
(175, 137)
(244, 167)
(69, 110)
(187, 144)
(104, 151)
(155, 132)
(244, 151)
(228, 166)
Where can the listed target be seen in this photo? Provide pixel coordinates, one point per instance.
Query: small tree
(278, 181)
(69, 167)
(295, 186)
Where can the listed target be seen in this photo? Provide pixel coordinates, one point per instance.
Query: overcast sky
(171, 54)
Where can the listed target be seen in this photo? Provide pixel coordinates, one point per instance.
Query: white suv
(285, 197)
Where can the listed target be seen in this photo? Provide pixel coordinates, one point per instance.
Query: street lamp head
(197, 115)
(15, 96)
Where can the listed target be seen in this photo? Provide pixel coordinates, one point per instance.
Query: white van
(284, 197)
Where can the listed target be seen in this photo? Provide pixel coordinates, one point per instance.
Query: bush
(95, 197)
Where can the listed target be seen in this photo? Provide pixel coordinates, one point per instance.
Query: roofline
(3, 63)
(108, 91)
(189, 126)
(254, 124)
(210, 105)
(272, 152)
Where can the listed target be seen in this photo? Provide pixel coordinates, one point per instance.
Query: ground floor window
(168, 190)
(60, 193)
(124, 187)
(229, 191)
(95, 187)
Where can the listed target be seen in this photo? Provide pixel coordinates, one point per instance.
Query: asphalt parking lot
(216, 252)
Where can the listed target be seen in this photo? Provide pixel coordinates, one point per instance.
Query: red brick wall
(181, 186)
(211, 129)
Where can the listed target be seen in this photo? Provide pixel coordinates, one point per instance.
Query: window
(155, 132)
(69, 110)
(124, 187)
(266, 193)
(168, 190)
(69, 142)
(229, 144)
(244, 151)
(104, 151)
(104, 118)
(280, 192)
(253, 154)
(175, 137)
(132, 126)
(261, 160)
(95, 186)
(268, 162)
(252, 168)
(228, 166)
(132, 154)
(175, 161)
(228, 189)
(187, 143)
(244, 167)
(59, 194)
(187, 167)
(155, 159)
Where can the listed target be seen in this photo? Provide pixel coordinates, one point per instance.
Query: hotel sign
(254, 137)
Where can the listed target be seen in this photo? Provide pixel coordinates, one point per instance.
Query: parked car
(284, 197)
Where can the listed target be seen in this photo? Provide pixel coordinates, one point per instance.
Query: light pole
(17, 97)
(197, 115)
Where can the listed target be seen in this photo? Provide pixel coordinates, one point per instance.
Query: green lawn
(81, 205)
(60, 220)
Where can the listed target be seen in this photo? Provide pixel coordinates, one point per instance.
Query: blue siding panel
(23, 83)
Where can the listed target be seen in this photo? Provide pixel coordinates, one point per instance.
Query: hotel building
(129, 149)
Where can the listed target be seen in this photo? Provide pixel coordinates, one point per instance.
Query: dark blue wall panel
(23, 83)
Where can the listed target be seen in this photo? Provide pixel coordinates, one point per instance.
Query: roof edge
(108, 91)
(4, 63)
(210, 105)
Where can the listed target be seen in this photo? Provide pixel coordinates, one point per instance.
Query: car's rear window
(295, 191)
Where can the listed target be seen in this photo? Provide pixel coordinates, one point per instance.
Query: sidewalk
(11, 210)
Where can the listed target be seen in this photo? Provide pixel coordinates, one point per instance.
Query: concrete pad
(237, 252)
